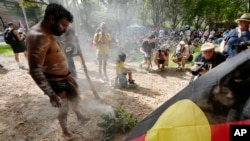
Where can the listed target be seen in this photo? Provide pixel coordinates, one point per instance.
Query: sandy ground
(26, 114)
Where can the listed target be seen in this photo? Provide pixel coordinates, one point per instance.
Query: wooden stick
(86, 73)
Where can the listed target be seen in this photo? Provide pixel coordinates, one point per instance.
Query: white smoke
(95, 108)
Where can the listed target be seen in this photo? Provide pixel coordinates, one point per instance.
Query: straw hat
(244, 17)
(207, 46)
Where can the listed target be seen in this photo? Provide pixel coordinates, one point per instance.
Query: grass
(138, 57)
(6, 50)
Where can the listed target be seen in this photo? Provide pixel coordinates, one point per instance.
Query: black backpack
(9, 37)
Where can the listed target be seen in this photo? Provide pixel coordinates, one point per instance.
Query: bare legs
(25, 53)
(147, 62)
(180, 63)
(63, 113)
(103, 67)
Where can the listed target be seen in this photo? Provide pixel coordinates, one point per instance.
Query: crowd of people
(51, 45)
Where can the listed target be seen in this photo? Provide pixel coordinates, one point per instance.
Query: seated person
(161, 57)
(121, 71)
(206, 60)
(181, 55)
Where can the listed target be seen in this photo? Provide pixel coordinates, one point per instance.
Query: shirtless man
(48, 64)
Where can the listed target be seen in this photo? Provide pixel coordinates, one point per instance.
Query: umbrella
(135, 26)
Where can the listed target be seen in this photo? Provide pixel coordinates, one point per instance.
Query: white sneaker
(105, 78)
(101, 80)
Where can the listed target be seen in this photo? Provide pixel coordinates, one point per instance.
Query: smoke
(95, 108)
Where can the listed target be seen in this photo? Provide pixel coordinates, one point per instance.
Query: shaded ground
(26, 114)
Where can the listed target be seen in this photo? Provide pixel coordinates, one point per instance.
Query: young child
(121, 71)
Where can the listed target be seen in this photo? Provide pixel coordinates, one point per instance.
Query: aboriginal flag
(205, 109)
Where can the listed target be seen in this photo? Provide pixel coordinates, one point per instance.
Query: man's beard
(55, 30)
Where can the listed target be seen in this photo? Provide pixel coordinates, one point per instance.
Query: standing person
(16, 41)
(71, 48)
(236, 36)
(161, 33)
(98, 29)
(147, 48)
(48, 64)
(102, 41)
(181, 55)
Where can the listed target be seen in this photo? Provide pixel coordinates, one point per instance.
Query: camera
(240, 47)
(199, 69)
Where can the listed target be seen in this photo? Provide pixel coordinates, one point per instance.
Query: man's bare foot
(69, 136)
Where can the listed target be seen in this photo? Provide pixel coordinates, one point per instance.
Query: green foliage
(28, 4)
(6, 50)
(121, 122)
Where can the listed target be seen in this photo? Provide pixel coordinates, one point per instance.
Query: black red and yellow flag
(205, 109)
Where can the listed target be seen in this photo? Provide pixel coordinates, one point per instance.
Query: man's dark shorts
(146, 57)
(18, 47)
(161, 61)
(60, 86)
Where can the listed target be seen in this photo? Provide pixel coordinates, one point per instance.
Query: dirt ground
(26, 114)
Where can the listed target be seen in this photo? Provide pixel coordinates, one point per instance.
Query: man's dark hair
(58, 11)
(152, 36)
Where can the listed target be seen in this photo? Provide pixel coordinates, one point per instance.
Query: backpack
(9, 37)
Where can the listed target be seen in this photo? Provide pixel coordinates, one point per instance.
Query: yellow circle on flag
(182, 121)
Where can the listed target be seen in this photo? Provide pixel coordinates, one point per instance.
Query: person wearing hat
(181, 54)
(208, 57)
(161, 57)
(18, 43)
(238, 35)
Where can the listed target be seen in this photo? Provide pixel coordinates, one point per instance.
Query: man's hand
(55, 100)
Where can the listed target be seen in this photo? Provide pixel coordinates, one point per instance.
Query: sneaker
(22, 67)
(131, 81)
(105, 78)
(101, 80)
(182, 69)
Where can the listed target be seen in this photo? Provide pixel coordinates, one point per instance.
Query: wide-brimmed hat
(10, 23)
(182, 43)
(244, 17)
(207, 46)
(163, 47)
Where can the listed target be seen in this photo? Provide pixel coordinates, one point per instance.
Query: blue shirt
(232, 38)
